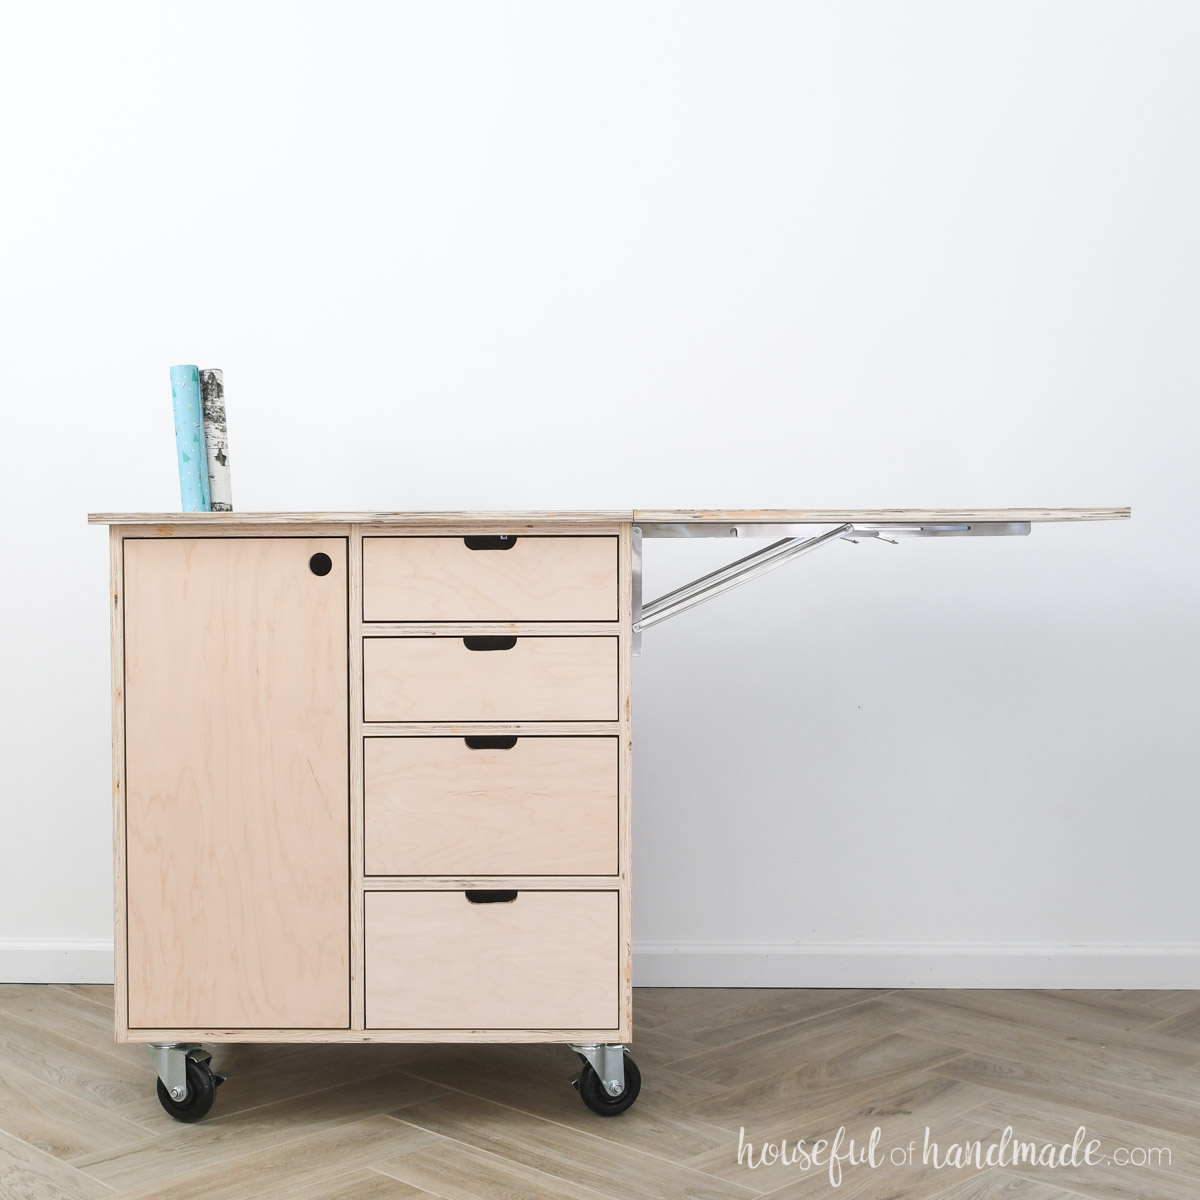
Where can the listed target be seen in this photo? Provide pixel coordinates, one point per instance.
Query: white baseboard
(784, 964)
(56, 960)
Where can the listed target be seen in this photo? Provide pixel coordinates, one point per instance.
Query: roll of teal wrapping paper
(189, 439)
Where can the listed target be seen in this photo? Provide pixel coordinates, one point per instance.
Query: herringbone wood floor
(79, 1118)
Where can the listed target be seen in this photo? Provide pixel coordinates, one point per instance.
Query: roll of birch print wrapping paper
(216, 439)
(189, 438)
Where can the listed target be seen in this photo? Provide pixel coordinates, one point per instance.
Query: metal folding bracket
(637, 588)
(790, 546)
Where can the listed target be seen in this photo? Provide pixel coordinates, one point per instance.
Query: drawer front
(544, 960)
(491, 805)
(490, 679)
(488, 578)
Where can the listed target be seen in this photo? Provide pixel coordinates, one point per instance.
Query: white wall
(648, 254)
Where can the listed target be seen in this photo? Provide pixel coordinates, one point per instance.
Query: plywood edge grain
(467, 883)
(827, 516)
(467, 728)
(452, 524)
(461, 629)
(379, 1035)
(148, 531)
(625, 786)
(354, 651)
(120, 939)
(529, 525)
(228, 520)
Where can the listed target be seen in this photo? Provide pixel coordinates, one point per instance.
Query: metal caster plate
(609, 1081)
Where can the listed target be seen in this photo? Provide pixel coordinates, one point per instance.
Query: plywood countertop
(774, 516)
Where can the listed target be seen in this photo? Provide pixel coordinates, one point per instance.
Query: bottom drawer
(541, 960)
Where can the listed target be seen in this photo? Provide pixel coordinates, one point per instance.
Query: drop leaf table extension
(371, 771)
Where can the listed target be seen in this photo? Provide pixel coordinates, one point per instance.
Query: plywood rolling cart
(371, 771)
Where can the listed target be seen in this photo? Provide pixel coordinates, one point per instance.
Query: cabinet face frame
(621, 727)
(116, 587)
(601, 524)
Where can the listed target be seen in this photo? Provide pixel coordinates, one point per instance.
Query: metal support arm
(734, 575)
(770, 557)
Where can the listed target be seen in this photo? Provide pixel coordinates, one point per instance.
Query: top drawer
(490, 578)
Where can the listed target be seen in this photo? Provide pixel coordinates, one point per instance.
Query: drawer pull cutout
(484, 897)
(482, 742)
(500, 542)
(489, 643)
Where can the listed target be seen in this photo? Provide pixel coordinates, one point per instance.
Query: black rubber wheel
(599, 1101)
(201, 1091)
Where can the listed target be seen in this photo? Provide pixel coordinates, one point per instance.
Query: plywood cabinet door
(236, 761)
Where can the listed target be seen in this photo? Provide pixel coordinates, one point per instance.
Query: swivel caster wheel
(598, 1097)
(188, 1098)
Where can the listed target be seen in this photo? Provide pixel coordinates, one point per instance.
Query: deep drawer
(544, 960)
(490, 679)
(491, 805)
(490, 578)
